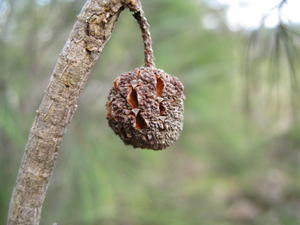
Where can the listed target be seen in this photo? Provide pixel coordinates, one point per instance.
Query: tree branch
(90, 33)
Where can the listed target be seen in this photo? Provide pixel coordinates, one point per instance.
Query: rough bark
(91, 31)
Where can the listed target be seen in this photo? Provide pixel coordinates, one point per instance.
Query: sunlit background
(237, 161)
(248, 14)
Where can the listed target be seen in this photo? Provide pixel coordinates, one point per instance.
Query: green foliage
(227, 168)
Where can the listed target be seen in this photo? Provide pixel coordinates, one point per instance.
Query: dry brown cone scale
(145, 106)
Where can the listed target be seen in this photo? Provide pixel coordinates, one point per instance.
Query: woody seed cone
(145, 108)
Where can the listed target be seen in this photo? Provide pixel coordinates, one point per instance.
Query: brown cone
(145, 108)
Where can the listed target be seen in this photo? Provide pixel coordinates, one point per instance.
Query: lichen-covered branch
(91, 31)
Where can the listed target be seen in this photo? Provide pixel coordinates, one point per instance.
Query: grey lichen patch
(95, 23)
(145, 108)
(93, 44)
(98, 27)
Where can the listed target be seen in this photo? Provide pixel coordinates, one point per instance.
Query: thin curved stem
(139, 15)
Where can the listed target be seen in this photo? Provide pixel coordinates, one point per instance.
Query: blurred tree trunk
(91, 31)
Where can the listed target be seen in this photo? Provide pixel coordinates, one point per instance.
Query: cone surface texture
(145, 108)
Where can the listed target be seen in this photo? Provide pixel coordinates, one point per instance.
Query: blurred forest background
(238, 159)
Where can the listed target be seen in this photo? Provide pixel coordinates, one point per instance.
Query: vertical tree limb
(90, 33)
